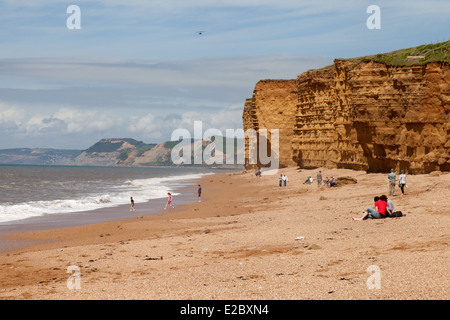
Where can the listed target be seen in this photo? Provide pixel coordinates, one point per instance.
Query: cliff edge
(371, 113)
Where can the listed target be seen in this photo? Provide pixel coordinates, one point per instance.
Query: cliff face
(365, 116)
(274, 106)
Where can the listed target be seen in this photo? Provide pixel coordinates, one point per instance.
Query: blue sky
(138, 68)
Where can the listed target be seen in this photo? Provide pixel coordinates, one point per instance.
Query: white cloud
(10, 113)
(228, 117)
(67, 121)
(145, 126)
(113, 98)
(11, 118)
(82, 121)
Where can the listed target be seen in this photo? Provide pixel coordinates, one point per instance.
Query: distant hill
(38, 156)
(113, 152)
(123, 152)
(112, 145)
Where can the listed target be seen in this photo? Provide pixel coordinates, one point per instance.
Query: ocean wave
(141, 190)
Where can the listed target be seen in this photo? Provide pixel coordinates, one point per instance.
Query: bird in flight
(200, 32)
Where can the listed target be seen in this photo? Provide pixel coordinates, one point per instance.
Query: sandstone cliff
(364, 115)
(273, 106)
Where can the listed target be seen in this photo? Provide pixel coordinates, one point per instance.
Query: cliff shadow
(375, 154)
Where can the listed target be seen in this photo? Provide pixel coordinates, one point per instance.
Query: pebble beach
(249, 239)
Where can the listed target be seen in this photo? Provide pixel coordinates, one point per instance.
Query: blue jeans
(373, 214)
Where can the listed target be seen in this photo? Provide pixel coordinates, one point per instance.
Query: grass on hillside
(412, 56)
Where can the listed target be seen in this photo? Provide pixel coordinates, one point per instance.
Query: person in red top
(377, 213)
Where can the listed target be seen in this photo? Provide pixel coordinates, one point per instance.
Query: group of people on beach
(383, 206)
(392, 177)
(169, 199)
(282, 180)
(325, 183)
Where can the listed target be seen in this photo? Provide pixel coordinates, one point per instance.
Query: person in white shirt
(402, 181)
(284, 180)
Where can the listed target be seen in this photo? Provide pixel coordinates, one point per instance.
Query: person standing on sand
(402, 181)
(169, 201)
(280, 180)
(284, 180)
(319, 179)
(391, 178)
(132, 205)
(199, 193)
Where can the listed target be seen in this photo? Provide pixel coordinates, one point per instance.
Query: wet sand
(250, 239)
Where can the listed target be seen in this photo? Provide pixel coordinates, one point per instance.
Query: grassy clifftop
(436, 52)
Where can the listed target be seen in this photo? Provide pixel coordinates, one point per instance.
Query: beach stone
(435, 173)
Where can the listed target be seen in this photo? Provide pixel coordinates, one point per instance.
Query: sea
(46, 194)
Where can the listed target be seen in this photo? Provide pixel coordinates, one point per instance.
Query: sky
(139, 69)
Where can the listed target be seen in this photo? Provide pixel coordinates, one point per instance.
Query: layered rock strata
(365, 116)
(273, 106)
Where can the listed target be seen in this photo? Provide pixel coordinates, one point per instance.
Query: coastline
(107, 214)
(11, 232)
(250, 239)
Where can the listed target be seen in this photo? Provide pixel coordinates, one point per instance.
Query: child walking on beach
(169, 201)
(132, 205)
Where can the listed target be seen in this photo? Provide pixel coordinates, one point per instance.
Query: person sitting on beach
(390, 205)
(333, 182)
(169, 201)
(377, 213)
(326, 182)
(308, 180)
